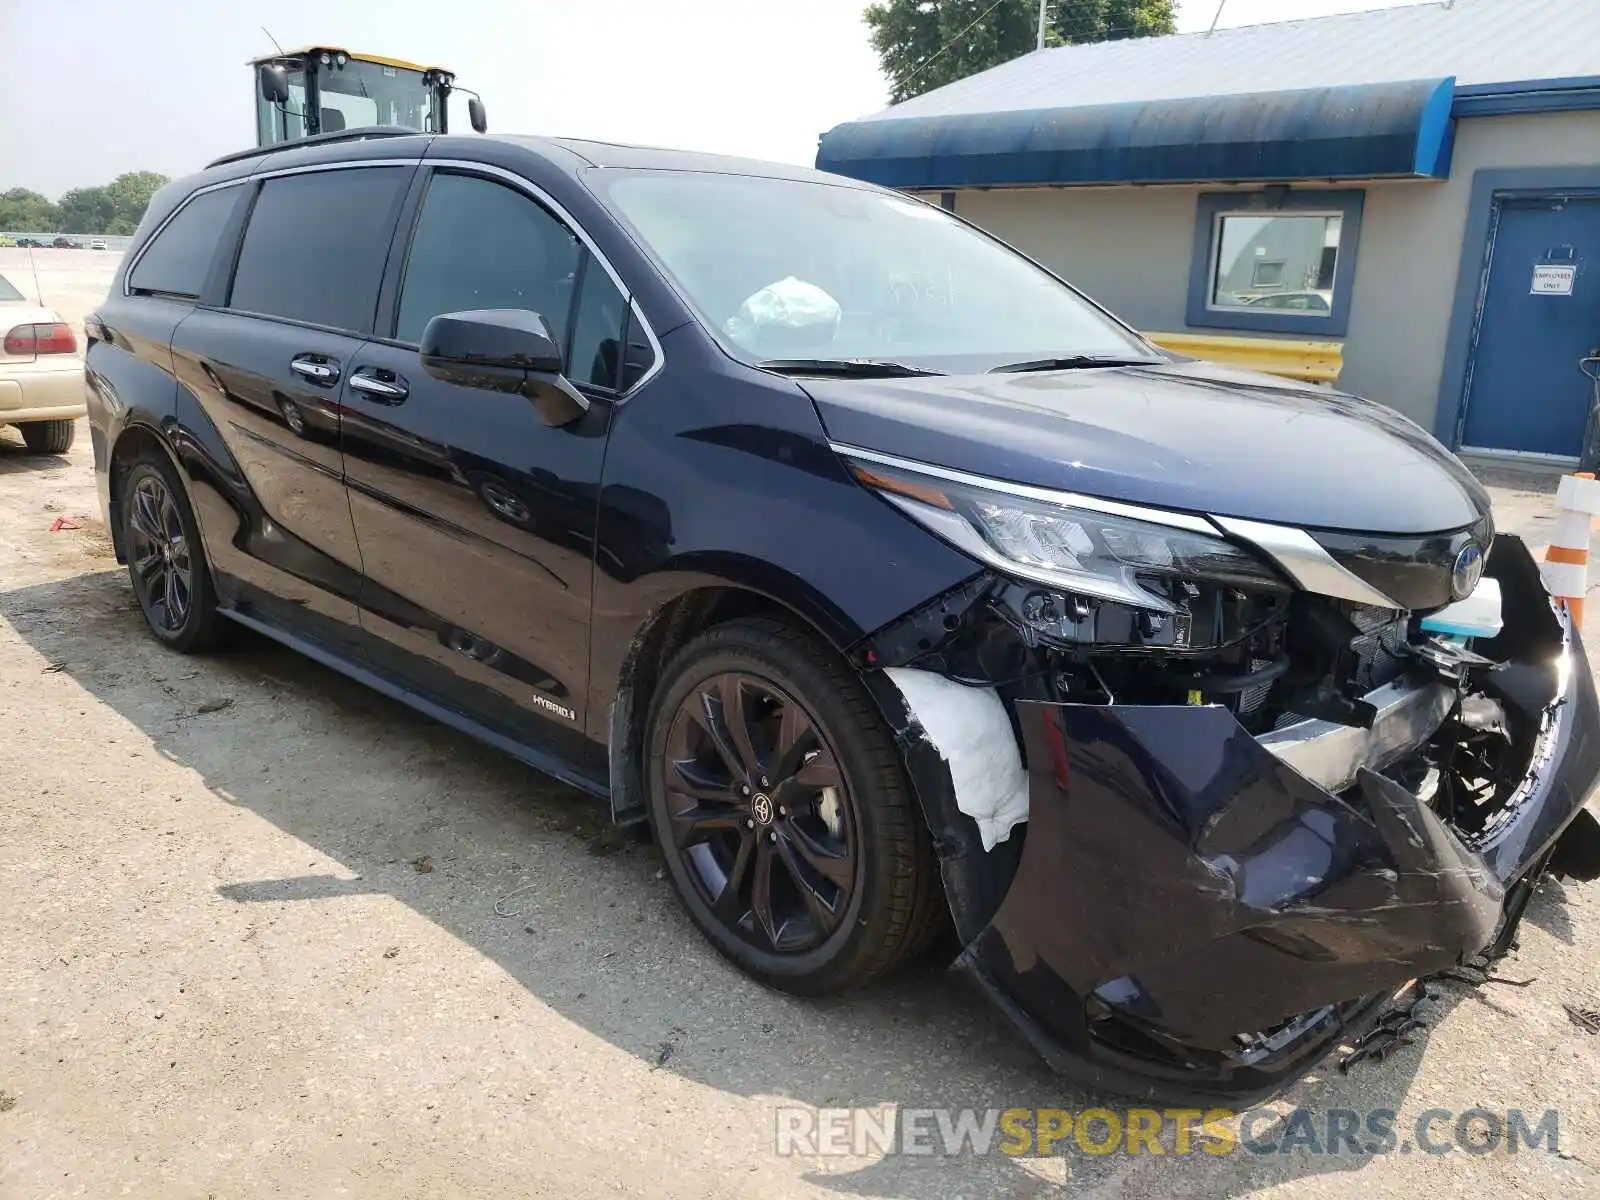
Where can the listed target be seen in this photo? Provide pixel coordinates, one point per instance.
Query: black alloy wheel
(782, 808)
(159, 555)
(761, 813)
(166, 561)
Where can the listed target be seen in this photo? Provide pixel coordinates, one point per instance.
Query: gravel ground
(253, 942)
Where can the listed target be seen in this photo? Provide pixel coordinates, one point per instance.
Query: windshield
(7, 292)
(788, 269)
(356, 94)
(364, 93)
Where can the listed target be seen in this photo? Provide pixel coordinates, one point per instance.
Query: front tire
(782, 809)
(166, 561)
(48, 437)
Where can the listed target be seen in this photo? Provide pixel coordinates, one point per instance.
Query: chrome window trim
(659, 355)
(537, 193)
(1155, 516)
(522, 184)
(350, 164)
(1305, 561)
(127, 289)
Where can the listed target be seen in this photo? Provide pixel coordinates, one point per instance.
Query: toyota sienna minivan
(908, 595)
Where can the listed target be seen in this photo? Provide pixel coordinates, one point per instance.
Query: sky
(107, 86)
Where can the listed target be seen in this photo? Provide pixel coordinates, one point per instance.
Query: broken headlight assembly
(1091, 600)
(1081, 549)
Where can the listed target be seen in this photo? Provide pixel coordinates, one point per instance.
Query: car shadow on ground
(17, 459)
(530, 874)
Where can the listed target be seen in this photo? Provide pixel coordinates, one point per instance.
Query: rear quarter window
(315, 246)
(179, 257)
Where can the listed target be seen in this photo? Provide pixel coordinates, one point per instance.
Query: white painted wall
(1130, 248)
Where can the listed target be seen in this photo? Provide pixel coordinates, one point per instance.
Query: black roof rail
(360, 133)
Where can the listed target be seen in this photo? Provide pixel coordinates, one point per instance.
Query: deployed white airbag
(791, 304)
(969, 728)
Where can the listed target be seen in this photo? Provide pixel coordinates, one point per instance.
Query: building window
(1268, 261)
(1275, 261)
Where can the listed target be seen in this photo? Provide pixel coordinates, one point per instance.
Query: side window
(315, 246)
(597, 328)
(480, 244)
(638, 355)
(178, 260)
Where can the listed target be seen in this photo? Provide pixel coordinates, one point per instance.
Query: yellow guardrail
(1316, 362)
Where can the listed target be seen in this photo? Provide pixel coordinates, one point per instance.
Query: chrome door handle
(387, 391)
(315, 368)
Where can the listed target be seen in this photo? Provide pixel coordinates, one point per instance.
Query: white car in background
(98, 244)
(41, 375)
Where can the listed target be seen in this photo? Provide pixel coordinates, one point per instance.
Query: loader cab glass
(367, 93)
(328, 91)
(280, 104)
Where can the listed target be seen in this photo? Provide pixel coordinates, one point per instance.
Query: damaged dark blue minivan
(895, 583)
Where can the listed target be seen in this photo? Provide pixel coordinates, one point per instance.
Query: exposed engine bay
(1251, 818)
(1278, 660)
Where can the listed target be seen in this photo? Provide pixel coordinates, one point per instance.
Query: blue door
(1540, 318)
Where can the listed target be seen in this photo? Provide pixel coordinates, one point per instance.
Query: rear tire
(48, 437)
(806, 797)
(166, 560)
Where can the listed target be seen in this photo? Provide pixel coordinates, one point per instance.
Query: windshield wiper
(1072, 362)
(849, 368)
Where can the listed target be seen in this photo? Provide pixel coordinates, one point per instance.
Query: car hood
(1189, 435)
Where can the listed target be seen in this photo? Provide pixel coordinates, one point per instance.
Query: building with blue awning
(1421, 184)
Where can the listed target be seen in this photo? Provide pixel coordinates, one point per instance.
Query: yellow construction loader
(322, 89)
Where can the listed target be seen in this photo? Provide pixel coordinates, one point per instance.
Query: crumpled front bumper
(1179, 886)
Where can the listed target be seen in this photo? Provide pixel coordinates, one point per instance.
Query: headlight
(1029, 533)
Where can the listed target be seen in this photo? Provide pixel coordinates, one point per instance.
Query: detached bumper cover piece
(1192, 916)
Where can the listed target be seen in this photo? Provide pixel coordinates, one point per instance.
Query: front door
(475, 520)
(1540, 319)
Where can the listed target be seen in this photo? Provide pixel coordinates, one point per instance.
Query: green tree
(114, 208)
(1081, 21)
(22, 211)
(130, 196)
(86, 210)
(924, 44)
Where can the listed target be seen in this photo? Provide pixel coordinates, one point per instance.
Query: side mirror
(503, 350)
(274, 87)
(477, 115)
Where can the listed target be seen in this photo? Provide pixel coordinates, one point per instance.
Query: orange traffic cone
(1566, 562)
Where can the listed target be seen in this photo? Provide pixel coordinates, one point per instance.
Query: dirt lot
(253, 941)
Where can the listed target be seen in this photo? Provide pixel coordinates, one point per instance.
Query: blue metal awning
(1358, 131)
